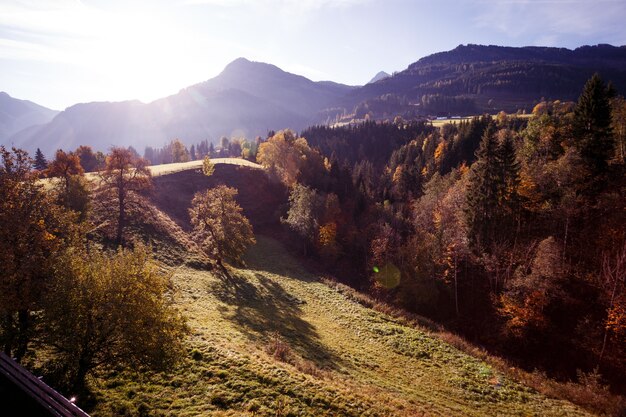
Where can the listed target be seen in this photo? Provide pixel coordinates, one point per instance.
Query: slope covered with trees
(479, 78)
(508, 230)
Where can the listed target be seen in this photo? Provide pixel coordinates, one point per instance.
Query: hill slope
(487, 78)
(16, 115)
(339, 358)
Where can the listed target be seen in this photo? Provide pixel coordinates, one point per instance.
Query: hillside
(277, 338)
(338, 357)
(16, 115)
(475, 78)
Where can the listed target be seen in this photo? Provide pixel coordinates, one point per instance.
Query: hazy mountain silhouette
(247, 99)
(16, 115)
(380, 76)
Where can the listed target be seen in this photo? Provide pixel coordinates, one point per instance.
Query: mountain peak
(244, 64)
(381, 75)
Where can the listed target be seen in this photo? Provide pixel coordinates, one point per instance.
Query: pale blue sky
(60, 52)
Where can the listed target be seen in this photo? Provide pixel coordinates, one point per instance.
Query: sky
(61, 52)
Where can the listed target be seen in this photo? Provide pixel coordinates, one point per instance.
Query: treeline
(508, 232)
(371, 141)
(176, 151)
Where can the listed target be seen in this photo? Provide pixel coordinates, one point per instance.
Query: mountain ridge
(250, 98)
(16, 115)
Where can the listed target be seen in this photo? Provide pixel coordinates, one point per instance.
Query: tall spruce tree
(41, 164)
(483, 190)
(593, 135)
(509, 171)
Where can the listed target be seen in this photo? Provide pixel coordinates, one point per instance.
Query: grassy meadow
(271, 339)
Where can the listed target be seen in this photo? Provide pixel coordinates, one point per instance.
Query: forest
(509, 231)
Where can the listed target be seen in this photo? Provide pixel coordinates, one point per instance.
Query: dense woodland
(507, 230)
(510, 231)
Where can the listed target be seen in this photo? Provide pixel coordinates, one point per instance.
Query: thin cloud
(551, 21)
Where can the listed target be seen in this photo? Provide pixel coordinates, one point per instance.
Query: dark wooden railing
(51, 401)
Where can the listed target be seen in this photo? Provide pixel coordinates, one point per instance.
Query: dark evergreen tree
(509, 171)
(483, 191)
(40, 163)
(593, 136)
(192, 152)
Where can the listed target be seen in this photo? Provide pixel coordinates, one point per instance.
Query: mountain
(16, 115)
(472, 79)
(245, 99)
(380, 76)
(250, 98)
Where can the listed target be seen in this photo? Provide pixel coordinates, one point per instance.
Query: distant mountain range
(250, 98)
(475, 79)
(16, 115)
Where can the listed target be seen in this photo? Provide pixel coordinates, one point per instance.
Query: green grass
(165, 169)
(439, 123)
(341, 359)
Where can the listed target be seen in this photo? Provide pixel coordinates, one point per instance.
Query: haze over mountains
(16, 115)
(251, 98)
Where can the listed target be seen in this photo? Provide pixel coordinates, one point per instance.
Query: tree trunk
(456, 286)
(81, 375)
(120, 221)
(23, 323)
(8, 329)
(565, 238)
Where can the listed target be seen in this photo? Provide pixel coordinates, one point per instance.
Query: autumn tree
(302, 215)
(108, 310)
(33, 231)
(451, 231)
(208, 168)
(613, 284)
(89, 160)
(64, 166)
(219, 225)
(41, 163)
(123, 178)
(529, 295)
(619, 127)
(179, 151)
(327, 234)
(287, 156)
(593, 134)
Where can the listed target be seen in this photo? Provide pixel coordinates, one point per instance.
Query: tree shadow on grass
(263, 308)
(270, 255)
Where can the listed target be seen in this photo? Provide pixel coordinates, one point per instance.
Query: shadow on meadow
(261, 308)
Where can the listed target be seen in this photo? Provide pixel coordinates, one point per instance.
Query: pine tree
(593, 135)
(40, 161)
(509, 171)
(483, 190)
